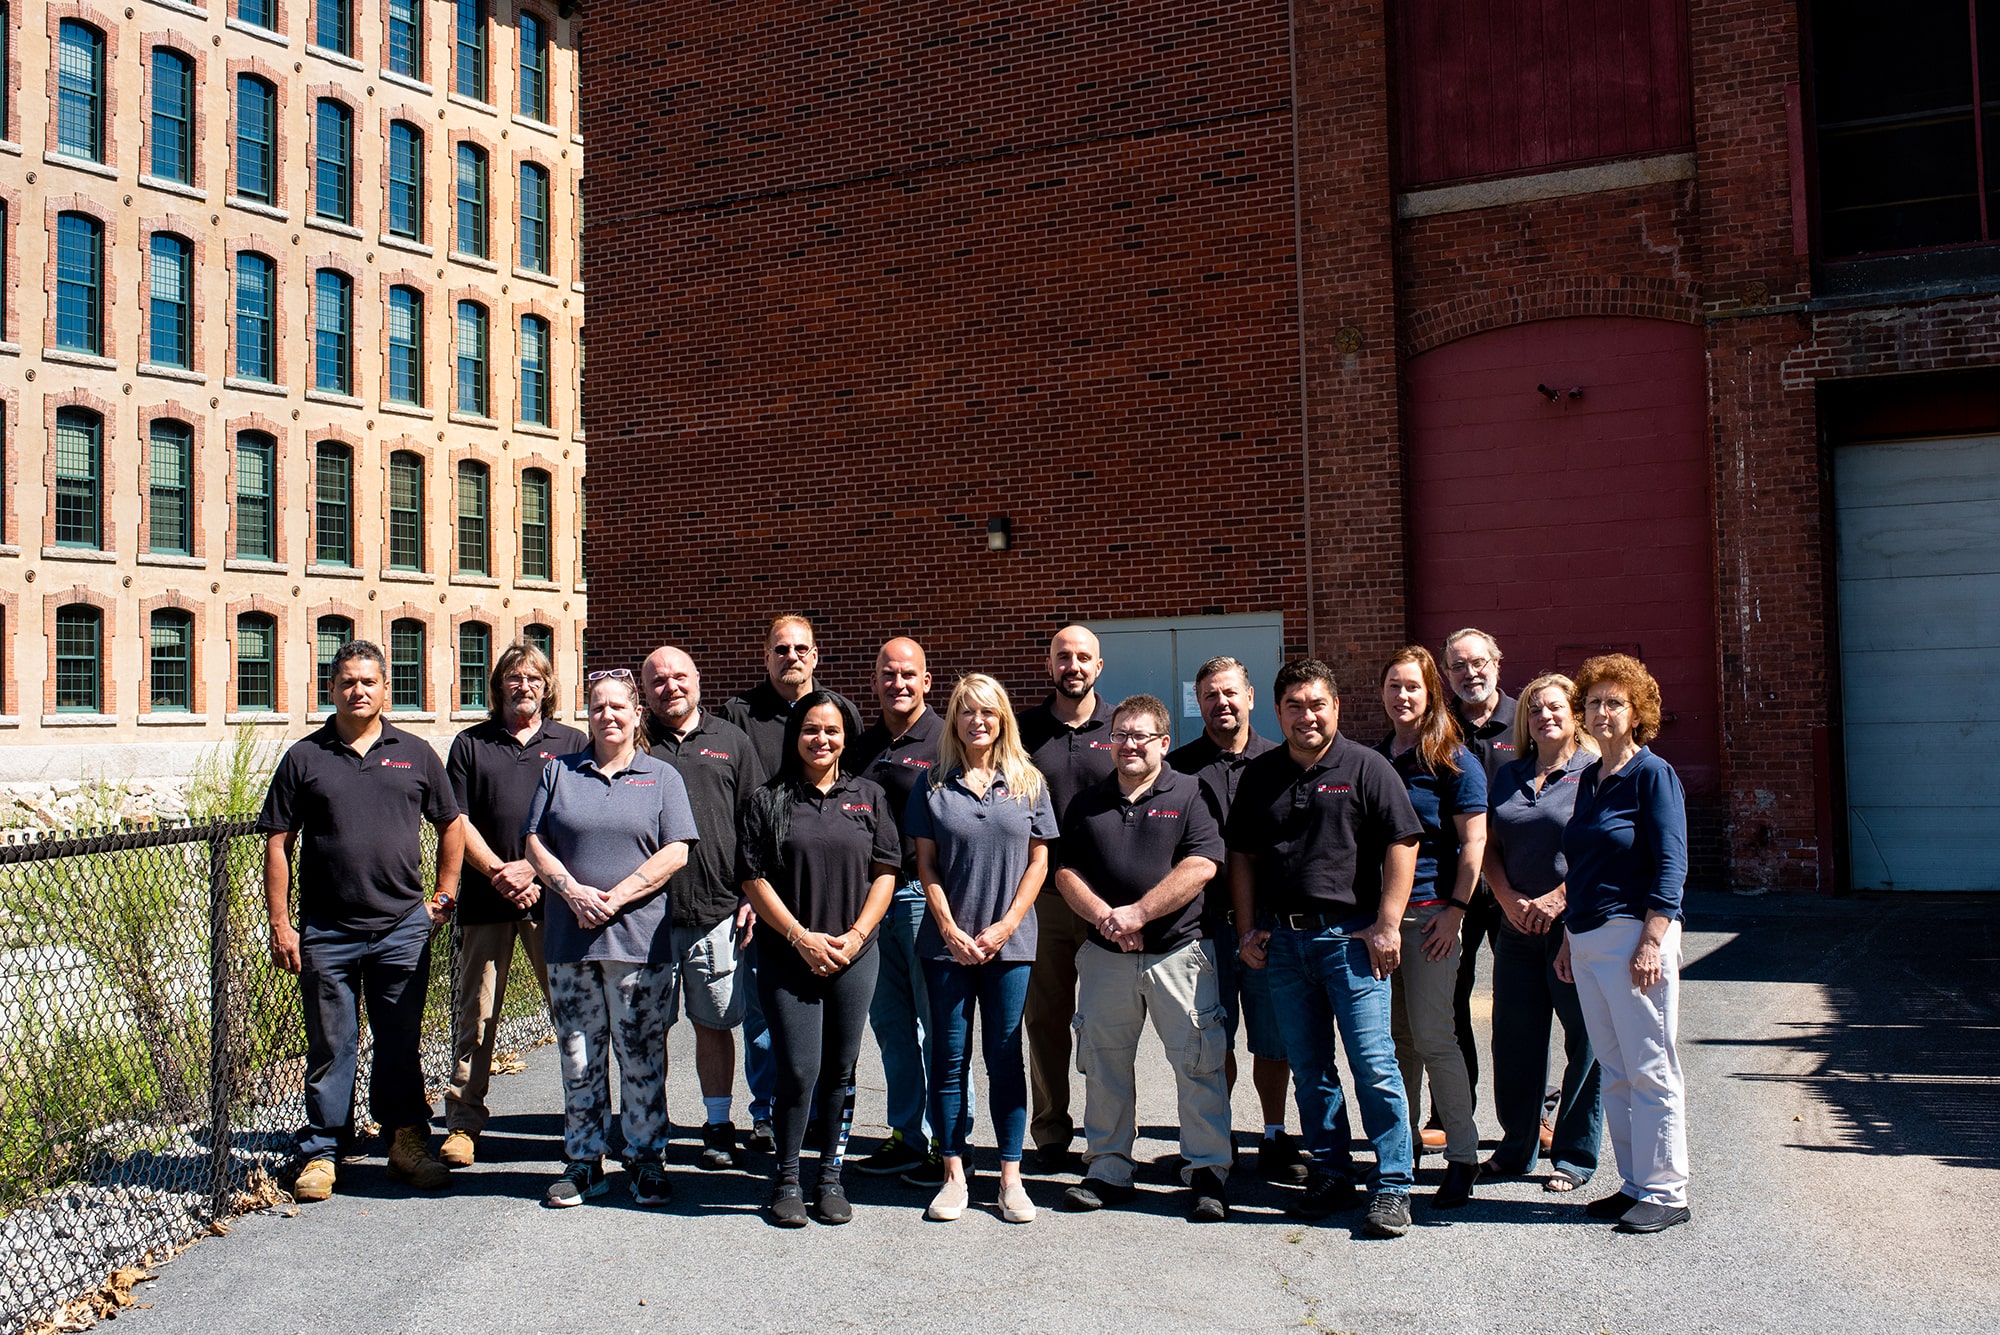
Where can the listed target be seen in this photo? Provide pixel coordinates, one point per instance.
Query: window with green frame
(475, 663)
(80, 91)
(256, 497)
(406, 345)
(172, 157)
(256, 674)
(170, 302)
(537, 499)
(406, 663)
(406, 511)
(534, 41)
(474, 391)
(170, 488)
(329, 633)
(541, 637)
(79, 659)
(333, 504)
(474, 508)
(79, 478)
(79, 283)
(469, 235)
(170, 662)
(469, 48)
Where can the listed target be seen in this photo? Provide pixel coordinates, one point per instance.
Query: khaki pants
(485, 954)
(1422, 1020)
(1051, 1008)
(1118, 992)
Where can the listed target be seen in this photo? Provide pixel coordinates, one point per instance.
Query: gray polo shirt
(982, 853)
(603, 826)
(1525, 827)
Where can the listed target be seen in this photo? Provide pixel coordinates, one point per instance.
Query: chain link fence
(152, 1059)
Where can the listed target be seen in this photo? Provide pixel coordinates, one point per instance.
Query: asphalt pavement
(1843, 1059)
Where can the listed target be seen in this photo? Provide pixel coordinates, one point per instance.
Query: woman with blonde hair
(981, 826)
(1447, 786)
(1528, 808)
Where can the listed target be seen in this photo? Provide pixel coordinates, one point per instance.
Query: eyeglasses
(626, 673)
(1120, 738)
(522, 679)
(1470, 665)
(1608, 706)
(791, 650)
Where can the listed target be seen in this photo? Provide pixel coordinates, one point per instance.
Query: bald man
(899, 752)
(1068, 736)
(721, 769)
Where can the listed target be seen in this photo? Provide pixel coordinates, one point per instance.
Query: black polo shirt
(898, 763)
(359, 821)
(761, 712)
(1124, 848)
(1219, 773)
(720, 768)
(1493, 740)
(493, 779)
(827, 860)
(1070, 758)
(1318, 835)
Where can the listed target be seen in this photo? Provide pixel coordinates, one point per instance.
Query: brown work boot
(457, 1150)
(410, 1159)
(315, 1180)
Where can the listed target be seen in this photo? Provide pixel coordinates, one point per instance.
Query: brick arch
(1501, 305)
(173, 600)
(235, 612)
(107, 638)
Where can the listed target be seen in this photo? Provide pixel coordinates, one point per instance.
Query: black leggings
(816, 1025)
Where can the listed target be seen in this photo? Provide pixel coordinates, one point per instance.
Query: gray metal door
(1919, 549)
(1160, 657)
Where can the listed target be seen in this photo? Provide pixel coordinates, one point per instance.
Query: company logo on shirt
(918, 762)
(856, 806)
(397, 764)
(1573, 778)
(640, 783)
(1335, 788)
(1162, 812)
(1102, 746)
(545, 755)
(713, 755)
(1503, 746)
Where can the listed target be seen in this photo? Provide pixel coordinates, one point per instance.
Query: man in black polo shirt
(1216, 758)
(1322, 853)
(710, 917)
(791, 655)
(898, 752)
(494, 768)
(350, 800)
(1068, 737)
(1139, 849)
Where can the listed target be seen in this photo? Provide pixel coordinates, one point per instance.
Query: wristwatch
(447, 901)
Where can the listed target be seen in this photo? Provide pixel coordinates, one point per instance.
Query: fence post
(218, 1026)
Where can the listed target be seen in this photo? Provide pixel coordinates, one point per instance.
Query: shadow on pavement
(1910, 1062)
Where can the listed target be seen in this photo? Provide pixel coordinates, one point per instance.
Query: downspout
(1299, 297)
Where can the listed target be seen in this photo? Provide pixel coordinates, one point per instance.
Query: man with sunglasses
(1138, 851)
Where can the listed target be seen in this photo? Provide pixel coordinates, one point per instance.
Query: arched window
(537, 494)
(170, 302)
(79, 478)
(469, 48)
(406, 180)
(406, 345)
(333, 504)
(79, 659)
(173, 116)
(80, 91)
(406, 511)
(256, 497)
(170, 488)
(333, 332)
(469, 232)
(256, 316)
(541, 637)
(475, 663)
(535, 370)
(406, 663)
(170, 661)
(534, 227)
(329, 633)
(333, 161)
(406, 37)
(470, 350)
(256, 673)
(474, 508)
(79, 283)
(256, 139)
(534, 68)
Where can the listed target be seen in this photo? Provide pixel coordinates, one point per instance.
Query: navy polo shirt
(1626, 844)
(1439, 799)
(1524, 824)
(359, 821)
(602, 827)
(1219, 772)
(1318, 834)
(899, 764)
(1070, 758)
(762, 712)
(982, 853)
(833, 843)
(1123, 848)
(1493, 740)
(721, 770)
(493, 779)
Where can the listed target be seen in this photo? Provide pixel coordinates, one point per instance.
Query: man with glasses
(1067, 736)
(494, 767)
(1138, 851)
(711, 919)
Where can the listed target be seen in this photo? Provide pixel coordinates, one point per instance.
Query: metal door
(1160, 657)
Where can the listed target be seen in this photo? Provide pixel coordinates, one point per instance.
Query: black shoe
(1054, 1161)
(830, 1204)
(1644, 1218)
(1094, 1194)
(1325, 1194)
(1494, 1169)
(761, 1140)
(1611, 1207)
(718, 1146)
(1456, 1189)
(929, 1173)
(1388, 1215)
(1279, 1160)
(1211, 1203)
(649, 1183)
(788, 1205)
(581, 1180)
(892, 1158)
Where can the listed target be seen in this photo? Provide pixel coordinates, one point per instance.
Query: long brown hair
(1437, 732)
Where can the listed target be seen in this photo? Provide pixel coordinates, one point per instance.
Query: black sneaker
(581, 1179)
(1279, 1160)
(929, 1173)
(1210, 1204)
(892, 1158)
(1325, 1194)
(1094, 1194)
(1388, 1215)
(1645, 1218)
(649, 1183)
(718, 1146)
(788, 1206)
(761, 1140)
(830, 1204)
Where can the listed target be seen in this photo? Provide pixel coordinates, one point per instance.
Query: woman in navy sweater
(1626, 850)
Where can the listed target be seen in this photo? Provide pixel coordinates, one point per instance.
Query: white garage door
(1919, 533)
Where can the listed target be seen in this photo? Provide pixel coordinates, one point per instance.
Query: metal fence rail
(152, 1059)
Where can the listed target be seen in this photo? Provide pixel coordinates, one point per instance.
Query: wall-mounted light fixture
(1557, 395)
(999, 533)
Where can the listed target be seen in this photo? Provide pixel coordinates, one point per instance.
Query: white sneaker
(1015, 1207)
(950, 1201)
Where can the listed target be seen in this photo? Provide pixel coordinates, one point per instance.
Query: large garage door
(1919, 532)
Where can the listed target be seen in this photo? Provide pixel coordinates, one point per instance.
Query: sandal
(1564, 1179)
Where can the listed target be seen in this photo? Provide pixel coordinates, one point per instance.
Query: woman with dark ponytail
(819, 853)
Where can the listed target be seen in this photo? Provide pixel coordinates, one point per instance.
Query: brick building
(1660, 326)
(287, 356)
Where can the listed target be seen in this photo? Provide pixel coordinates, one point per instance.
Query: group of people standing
(1058, 875)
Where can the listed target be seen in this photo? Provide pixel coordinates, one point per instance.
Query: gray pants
(1422, 1020)
(602, 1006)
(1117, 992)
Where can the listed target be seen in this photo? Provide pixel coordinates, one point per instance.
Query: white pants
(1633, 1034)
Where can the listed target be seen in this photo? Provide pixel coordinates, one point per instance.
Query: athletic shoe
(718, 1146)
(929, 1173)
(581, 1179)
(788, 1205)
(892, 1158)
(457, 1150)
(650, 1185)
(1279, 1160)
(830, 1204)
(1095, 1193)
(411, 1160)
(1645, 1218)
(761, 1139)
(315, 1180)
(1388, 1215)
(1325, 1194)
(1210, 1204)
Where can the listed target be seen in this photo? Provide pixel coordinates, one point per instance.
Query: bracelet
(798, 930)
(1462, 905)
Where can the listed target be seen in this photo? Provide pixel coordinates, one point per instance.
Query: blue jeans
(760, 1071)
(897, 1015)
(1320, 977)
(1000, 993)
(337, 967)
(1526, 996)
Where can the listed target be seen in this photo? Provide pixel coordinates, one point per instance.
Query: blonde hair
(1010, 758)
(1524, 731)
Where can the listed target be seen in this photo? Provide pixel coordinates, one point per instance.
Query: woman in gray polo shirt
(606, 829)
